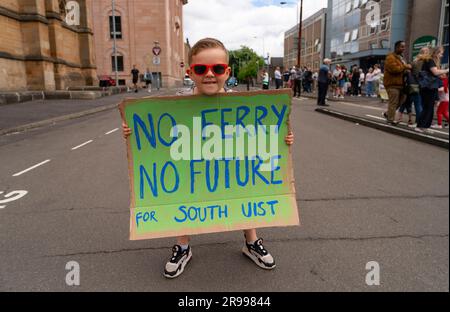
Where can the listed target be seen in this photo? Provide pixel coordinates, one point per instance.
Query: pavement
(364, 195)
(32, 114)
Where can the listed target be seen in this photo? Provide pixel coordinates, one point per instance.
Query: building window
(373, 30)
(118, 27)
(348, 7)
(363, 2)
(355, 34)
(355, 4)
(384, 24)
(384, 44)
(122, 82)
(347, 37)
(374, 45)
(119, 63)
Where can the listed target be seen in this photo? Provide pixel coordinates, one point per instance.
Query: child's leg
(254, 249)
(250, 235)
(439, 114)
(179, 259)
(445, 109)
(183, 240)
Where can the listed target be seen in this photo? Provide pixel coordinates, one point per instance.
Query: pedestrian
(406, 106)
(278, 78)
(148, 78)
(442, 111)
(315, 78)
(370, 83)
(293, 73)
(395, 68)
(135, 77)
(355, 81)
(323, 81)
(286, 76)
(207, 58)
(307, 80)
(337, 76)
(265, 79)
(429, 85)
(413, 84)
(298, 82)
(377, 74)
(362, 81)
(342, 81)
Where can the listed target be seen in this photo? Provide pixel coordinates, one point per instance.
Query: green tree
(245, 63)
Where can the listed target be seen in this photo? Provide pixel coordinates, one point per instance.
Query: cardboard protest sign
(203, 164)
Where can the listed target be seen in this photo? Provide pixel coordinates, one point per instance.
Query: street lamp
(299, 30)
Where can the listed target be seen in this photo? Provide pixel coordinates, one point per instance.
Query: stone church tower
(46, 45)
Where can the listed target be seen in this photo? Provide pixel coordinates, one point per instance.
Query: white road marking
(441, 132)
(379, 118)
(12, 196)
(81, 145)
(109, 132)
(364, 106)
(31, 168)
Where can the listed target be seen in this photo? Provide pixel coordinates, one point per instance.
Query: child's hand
(289, 139)
(125, 130)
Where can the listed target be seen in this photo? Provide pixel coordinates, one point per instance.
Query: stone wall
(39, 51)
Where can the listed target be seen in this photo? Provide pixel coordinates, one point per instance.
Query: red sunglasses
(202, 69)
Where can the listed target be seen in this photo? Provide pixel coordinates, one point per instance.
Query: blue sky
(259, 24)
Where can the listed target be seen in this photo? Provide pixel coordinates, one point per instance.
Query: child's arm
(289, 139)
(125, 130)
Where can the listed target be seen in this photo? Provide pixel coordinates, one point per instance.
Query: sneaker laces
(176, 251)
(259, 244)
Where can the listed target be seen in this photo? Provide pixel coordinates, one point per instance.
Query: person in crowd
(148, 78)
(323, 82)
(307, 80)
(355, 81)
(265, 79)
(395, 69)
(442, 111)
(377, 73)
(135, 78)
(335, 81)
(362, 81)
(343, 81)
(370, 83)
(414, 89)
(429, 85)
(286, 76)
(278, 78)
(298, 82)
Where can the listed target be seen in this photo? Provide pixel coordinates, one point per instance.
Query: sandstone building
(139, 24)
(40, 50)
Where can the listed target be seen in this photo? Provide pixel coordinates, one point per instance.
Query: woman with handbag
(429, 84)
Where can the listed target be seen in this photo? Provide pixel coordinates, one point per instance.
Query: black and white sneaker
(175, 266)
(259, 254)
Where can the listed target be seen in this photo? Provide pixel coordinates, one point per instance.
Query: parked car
(232, 82)
(187, 81)
(106, 81)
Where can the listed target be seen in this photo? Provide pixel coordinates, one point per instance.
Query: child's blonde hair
(206, 43)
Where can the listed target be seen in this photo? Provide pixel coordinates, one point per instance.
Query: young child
(209, 70)
(442, 110)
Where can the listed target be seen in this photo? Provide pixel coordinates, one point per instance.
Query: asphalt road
(363, 195)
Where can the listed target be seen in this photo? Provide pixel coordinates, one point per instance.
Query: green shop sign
(425, 41)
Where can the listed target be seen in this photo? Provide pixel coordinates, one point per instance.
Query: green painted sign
(425, 41)
(203, 164)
